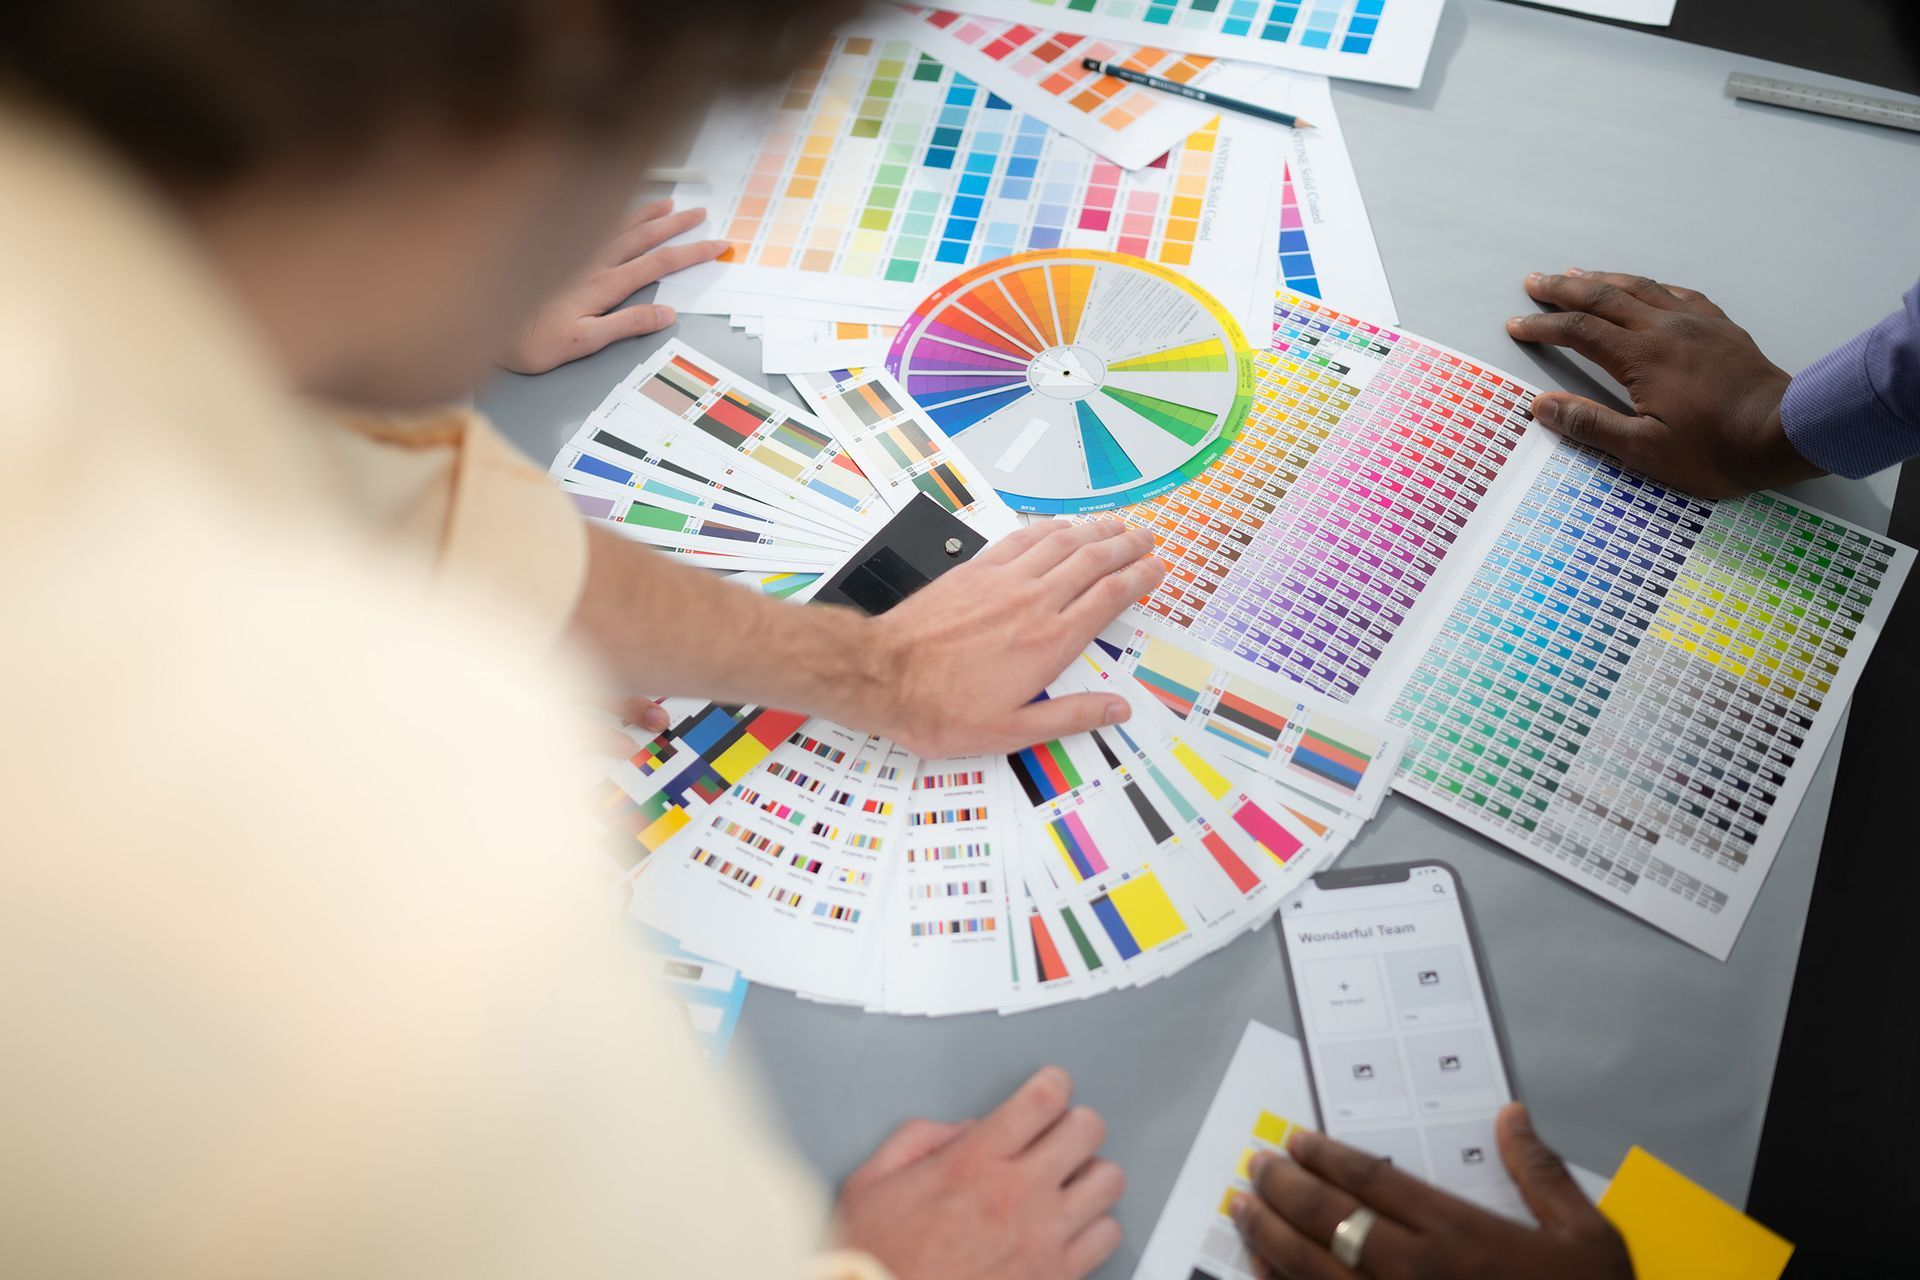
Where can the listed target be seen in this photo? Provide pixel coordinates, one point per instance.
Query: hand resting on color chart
(961, 660)
(1707, 401)
(1017, 1195)
(1422, 1233)
(953, 670)
(586, 315)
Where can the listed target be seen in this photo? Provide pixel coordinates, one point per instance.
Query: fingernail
(1259, 1164)
(1534, 277)
(1298, 1141)
(668, 315)
(655, 718)
(1547, 412)
(1118, 710)
(1575, 271)
(1238, 1208)
(1521, 1121)
(1513, 324)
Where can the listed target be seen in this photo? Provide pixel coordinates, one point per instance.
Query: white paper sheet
(1383, 41)
(1264, 1095)
(859, 192)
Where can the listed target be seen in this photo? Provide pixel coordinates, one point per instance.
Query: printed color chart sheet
(1040, 71)
(1629, 686)
(1368, 456)
(879, 173)
(1385, 41)
(1636, 685)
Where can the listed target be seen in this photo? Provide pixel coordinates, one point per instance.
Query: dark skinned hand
(1707, 400)
(1423, 1233)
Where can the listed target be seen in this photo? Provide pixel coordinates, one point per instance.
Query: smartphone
(1403, 1049)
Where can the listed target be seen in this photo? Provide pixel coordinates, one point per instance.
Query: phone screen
(1401, 1043)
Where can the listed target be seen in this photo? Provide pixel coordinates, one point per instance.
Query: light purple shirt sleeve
(1857, 411)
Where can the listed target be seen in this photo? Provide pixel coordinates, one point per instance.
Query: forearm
(661, 627)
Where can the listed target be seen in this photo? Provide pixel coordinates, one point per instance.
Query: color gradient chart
(1368, 456)
(1082, 380)
(1326, 245)
(743, 418)
(1040, 72)
(900, 446)
(785, 875)
(1635, 686)
(690, 766)
(949, 940)
(1383, 41)
(613, 481)
(1302, 739)
(881, 173)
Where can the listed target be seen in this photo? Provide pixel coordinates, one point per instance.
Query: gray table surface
(1538, 142)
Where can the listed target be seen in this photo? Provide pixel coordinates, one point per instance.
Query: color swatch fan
(1079, 379)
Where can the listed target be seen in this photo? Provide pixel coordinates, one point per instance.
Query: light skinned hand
(1017, 1195)
(582, 318)
(642, 713)
(1707, 402)
(1423, 1233)
(960, 661)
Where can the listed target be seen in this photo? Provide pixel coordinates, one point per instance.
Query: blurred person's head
(390, 186)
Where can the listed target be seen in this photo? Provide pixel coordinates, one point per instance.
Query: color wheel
(1078, 380)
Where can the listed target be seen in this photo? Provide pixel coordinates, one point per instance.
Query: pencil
(1198, 95)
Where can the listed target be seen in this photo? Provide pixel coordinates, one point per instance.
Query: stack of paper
(842, 868)
(1626, 684)
(816, 858)
(921, 143)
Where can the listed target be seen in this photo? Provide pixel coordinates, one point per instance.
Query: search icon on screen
(1440, 889)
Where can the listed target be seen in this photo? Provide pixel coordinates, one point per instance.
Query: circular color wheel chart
(1078, 380)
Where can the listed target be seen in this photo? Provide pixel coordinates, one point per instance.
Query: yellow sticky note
(1677, 1230)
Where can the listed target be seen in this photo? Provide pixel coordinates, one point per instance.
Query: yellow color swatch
(738, 760)
(1148, 911)
(1206, 775)
(663, 828)
(1678, 1230)
(1272, 1128)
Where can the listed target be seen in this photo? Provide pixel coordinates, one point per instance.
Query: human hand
(642, 713)
(1013, 1196)
(1422, 1231)
(581, 319)
(960, 661)
(1708, 401)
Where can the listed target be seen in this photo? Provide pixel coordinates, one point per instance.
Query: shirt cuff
(1836, 419)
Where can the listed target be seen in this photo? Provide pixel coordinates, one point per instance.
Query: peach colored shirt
(305, 967)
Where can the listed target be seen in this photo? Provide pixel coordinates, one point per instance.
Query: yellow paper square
(1149, 913)
(1677, 1230)
(1271, 1128)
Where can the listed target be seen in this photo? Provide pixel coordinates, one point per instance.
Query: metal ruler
(1895, 113)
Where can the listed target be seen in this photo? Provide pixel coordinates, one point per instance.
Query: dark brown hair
(199, 92)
